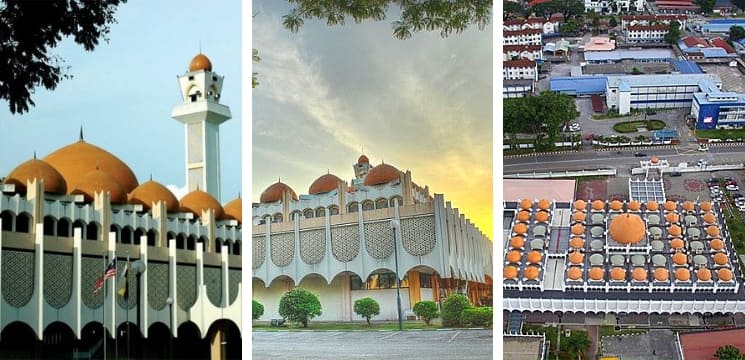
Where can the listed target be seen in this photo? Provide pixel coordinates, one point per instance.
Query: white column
(111, 290)
(199, 304)
(142, 301)
(77, 296)
(225, 283)
(39, 239)
(172, 285)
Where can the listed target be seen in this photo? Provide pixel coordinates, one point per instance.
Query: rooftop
(623, 54)
(661, 80)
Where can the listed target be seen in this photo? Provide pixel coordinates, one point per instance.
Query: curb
(371, 330)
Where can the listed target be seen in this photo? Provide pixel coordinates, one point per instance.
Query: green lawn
(347, 326)
(631, 126)
(721, 134)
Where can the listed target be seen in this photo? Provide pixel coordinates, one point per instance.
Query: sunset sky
(422, 104)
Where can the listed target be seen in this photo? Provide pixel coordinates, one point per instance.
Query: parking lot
(410, 345)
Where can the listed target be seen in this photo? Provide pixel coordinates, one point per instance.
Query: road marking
(387, 336)
(328, 336)
(454, 336)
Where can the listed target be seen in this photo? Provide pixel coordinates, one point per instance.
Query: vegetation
(721, 134)
(430, 15)
(478, 316)
(706, 6)
(632, 126)
(347, 326)
(542, 116)
(636, 71)
(512, 10)
(452, 309)
(736, 32)
(571, 9)
(367, 308)
(612, 22)
(729, 352)
(256, 309)
(426, 310)
(611, 331)
(30, 29)
(577, 344)
(673, 31)
(299, 305)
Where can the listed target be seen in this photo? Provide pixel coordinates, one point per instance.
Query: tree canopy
(728, 352)
(447, 17)
(736, 32)
(30, 29)
(673, 32)
(706, 6)
(543, 116)
(512, 9)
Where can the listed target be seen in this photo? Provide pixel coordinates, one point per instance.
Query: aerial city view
(623, 166)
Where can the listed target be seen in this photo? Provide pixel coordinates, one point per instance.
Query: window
(308, 213)
(385, 280)
(425, 281)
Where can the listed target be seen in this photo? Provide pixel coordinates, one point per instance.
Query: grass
(347, 326)
(632, 126)
(551, 335)
(721, 133)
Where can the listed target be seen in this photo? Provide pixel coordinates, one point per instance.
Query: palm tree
(577, 343)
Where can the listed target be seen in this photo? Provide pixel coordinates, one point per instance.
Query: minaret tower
(201, 113)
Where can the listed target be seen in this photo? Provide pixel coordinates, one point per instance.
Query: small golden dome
(576, 257)
(324, 184)
(98, 181)
(517, 242)
(597, 273)
(598, 205)
(574, 273)
(618, 273)
(578, 229)
(197, 201)
(688, 205)
(274, 192)
(541, 216)
(544, 204)
(363, 159)
(709, 218)
(514, 256)
(234, 210)
(535, 257)
(532, 272)
(703, 274)
(661, 274)
(706, 206)
(616, 205)
(150, 192)
(627, 229)
(654, 160)
(670, 205)
(653, 205)
(674, 230)
(526, 204)
(680, 259)
(579, 216)
(639, 274)
(724, 274)
(200, 62)
(580, 205)
(577, 243)
(717, 244)
(677, 243)
(672, 217)
(720, 259)
(682, 274)
(520, 228)
(712, 230)
(382, 174)
(635, 205)
(523, 216)
(54, 183)
(510, 272)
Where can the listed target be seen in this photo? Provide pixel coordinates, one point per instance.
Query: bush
(480, 316)
(367, 308)
(256, 309)
(427, 310)
(299, 305)
(452, 308)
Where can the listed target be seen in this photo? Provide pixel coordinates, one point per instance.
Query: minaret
(201, 113)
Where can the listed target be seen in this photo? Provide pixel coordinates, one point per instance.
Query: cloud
(178, 191)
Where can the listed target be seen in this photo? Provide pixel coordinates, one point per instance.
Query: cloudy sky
(122, 93)
(423, 104)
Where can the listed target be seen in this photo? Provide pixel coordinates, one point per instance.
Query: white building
(625, 92)
(520, 70)
(633, 20)
(522, 37)
(646, 33)
(545, 25)
(614, 7)
(516, 52)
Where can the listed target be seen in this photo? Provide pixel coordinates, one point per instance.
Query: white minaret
(202, 114)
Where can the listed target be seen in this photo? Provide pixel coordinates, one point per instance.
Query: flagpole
(126, 298)
(105, 266)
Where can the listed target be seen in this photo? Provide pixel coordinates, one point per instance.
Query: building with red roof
(701, 345)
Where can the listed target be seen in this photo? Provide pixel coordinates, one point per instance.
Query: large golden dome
(274, 192)
(200, 62)
(76, 160)
(37, 169)
(151, 192)
(382, 174)
(97, 181)
(234, 210)
(627, 229)
(197, 201)
(324, 184)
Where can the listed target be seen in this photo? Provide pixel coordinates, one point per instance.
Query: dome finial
(34, 154)
(239, 194)
(151, 176)
(81, 133)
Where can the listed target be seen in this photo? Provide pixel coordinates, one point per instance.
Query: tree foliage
(543, 116)
(570, 9)
(367, 308)
(578, 343)
(426, 310)
(612, 22)
(299, 305)
(736, 32)
(30, 29)
(729, 352)
(478, 316)
(256, 309)
(706, 6)
(673, 32)
(452, 309)
(447, 17)
(512, 10)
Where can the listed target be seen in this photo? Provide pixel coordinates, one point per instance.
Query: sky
(122, 93)
(422, 104)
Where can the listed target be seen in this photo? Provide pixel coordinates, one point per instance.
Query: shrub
(427, 310)
(256, 309)
(299, 305)
(452, 308)
(480, 316)
(367, 308)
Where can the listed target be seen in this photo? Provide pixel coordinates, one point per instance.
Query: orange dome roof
(597, 273)
(234, 210)
(541, 216)
(580, 205)
(532, 272)
(526, 204)
(672, 217)
(523, 216)
(574, 273)
(150, 192)
(677, 243)
(510, 272)
(618, 273)
(363, 159)
(670, 205)
(517, 242)
(655, 160)
(576, 242)
(200, 62)
(544, 204)
(616, 205)
(720, 259)
(324, 184)
(634, 205)
(598, 205)
(37, 169)
(76, 160)
(520, 228)
(674, 230)
(682, 274)
(717, 244)
(97, 181)
(535, 257)
(724, 274)
(274, 192)
(712, 230)
(576, 257)
(382, 174)
(639, 274)
(703, 274)
(579, 216)
(661, 274)
(578, 229)
(514, 256)
(652, 205)
(706, 206)
(627, 229)
(680, 259)
(197, 201)
(709, 218)
(688, 205)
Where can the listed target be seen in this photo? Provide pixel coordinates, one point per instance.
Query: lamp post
(394, 227)
(169, 301)
(139, 267)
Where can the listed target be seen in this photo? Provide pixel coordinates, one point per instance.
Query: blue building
(717, 109)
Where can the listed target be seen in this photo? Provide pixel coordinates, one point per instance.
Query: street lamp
(139, 267)
(169, 301)
(394, 226)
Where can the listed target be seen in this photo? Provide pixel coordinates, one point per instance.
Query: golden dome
(324, 184)
(712, 230)
(709, 218)
(703, 274)
(76, 160)
(574, 273)
(634, 205)
(688, 205)
(510, 272)
(526, 204)
(578, 229)
(682, 274)
(37, 169)
(672, 217)
(197, 201)
(720, 259)
(652, 205)
(274, 192)
(616, 205)
(523, 216)
(382, 174)
(580, 205)
(706, 206)
(541, 216)
(579, 216)
(514, 256)
(598, 205)
(639, 274)
(544, 204)
(618, 273)
(200, 62)
(661, 274)
(98, 181)
(150, 192)
(576, 257)
(670, 205)
(654, 160)
(724, 274)
(627, 229)
(577, 243)
(532, 272)
(677, 243)
(680, 259)
(717, 244)
(597, 273)
(517, 242)
(520, 228)
(363, 159)
(535, 257)
(234, 210)
(674, 230)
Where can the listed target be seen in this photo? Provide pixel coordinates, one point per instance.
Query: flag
(123, 283)
(110, 272)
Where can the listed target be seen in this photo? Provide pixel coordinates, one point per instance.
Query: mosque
(61, 213)
(346, 241)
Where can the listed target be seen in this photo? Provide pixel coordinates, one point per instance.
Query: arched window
(308, 213)
(23, 223)
(228, 246)
(139, 232)
(367, 205)
(218, 245)
(191, 242)
(296, 214)
(320, 212)
(7, 219)
(237, 247)
(203, 239)
(117, 232)
(381, 203)
(181, 241)
(396, 199)
(353, 207)
(50, 225)
(277, 218)
(152, 235)
(63, 227)
(91, 231)
(126, 235)
(333, 210)
(78, 224)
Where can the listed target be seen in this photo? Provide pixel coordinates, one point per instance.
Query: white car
(732, 187)
(703, 148)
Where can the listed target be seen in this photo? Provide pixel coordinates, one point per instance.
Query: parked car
(589, 137)
(732, 188)
(639, 154)
(703, 148)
